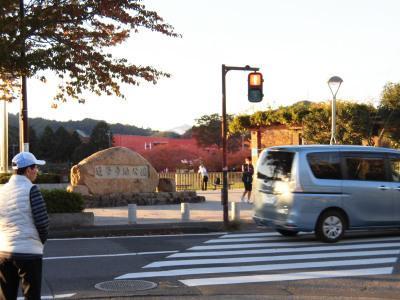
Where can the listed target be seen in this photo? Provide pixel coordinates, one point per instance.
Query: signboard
(121, 172)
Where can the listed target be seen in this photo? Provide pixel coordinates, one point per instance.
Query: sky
(297, 44)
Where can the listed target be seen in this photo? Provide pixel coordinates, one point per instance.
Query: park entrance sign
(113, 171)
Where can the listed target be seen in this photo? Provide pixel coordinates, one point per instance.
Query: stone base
(160, 198)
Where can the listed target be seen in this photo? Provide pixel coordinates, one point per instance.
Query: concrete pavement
(208, 211)
(163, 219)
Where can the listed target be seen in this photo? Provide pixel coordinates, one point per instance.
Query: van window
(325, 165)
(371, 169)
(276, 165)
(395, 169)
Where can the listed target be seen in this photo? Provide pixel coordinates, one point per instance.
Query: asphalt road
(243, 265)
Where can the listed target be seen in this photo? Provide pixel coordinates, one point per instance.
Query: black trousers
(29, 271)
(204, 183)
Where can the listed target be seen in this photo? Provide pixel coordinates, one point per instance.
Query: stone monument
(116, 170)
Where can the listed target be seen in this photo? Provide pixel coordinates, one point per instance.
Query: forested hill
(86, 125)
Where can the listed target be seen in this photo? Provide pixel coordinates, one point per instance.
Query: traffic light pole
(224, 191)
(23, 114)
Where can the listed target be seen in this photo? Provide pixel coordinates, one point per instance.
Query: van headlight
(269, 198)
(281, 187)
(283, 210)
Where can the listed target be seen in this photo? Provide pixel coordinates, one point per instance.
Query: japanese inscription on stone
(121, 172)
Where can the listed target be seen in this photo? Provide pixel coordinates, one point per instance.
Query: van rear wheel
(330, 227)
(287, 232)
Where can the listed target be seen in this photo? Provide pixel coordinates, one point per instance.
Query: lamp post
(334, 85)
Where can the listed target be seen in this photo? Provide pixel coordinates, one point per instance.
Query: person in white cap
(24, 227)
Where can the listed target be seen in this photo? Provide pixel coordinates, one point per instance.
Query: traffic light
(255, 87)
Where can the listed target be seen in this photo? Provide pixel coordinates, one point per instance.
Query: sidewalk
(208, 211)
(162, 219)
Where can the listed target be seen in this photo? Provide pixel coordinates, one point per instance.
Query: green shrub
(61, 201)
(48, 178)
(41, 178)
(4, 178)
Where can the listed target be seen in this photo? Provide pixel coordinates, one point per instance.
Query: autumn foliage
(74, 40)
(169, 157)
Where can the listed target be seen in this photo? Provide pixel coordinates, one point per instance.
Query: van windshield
(276, 165)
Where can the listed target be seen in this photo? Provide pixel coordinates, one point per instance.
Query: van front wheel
(330, 226)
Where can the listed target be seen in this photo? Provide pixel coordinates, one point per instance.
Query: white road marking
(108, 255)
(247, 235)
(282, 244)
(280, 250)
(136, 236)
(253, 245)
(285, 277)
(60, 296)
(227, 239)
(234, 260)
(251, 239)
(256, 268)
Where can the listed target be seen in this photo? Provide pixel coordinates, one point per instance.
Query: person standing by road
(247, 178)
(204, 177)
(24, 227)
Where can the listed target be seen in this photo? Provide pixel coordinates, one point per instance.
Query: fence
(192, 181)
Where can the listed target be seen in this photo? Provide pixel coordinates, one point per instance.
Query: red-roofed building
(141, 144)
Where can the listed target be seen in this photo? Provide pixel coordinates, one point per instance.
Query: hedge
(4, 178)
(61, 201)
(41, 178)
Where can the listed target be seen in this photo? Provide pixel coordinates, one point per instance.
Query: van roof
(301, 148)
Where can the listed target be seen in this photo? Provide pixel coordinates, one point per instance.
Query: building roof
(142, 143)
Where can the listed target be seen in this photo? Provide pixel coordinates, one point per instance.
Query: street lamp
(334, 85)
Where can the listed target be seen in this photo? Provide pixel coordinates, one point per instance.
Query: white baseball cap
(25, 159)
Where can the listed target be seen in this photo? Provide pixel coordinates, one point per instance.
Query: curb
(146, 229)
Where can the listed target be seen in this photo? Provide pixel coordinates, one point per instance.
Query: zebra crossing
(269, 257)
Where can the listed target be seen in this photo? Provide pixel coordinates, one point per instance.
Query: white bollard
(185, 211)
(235, 211)
(132, 213)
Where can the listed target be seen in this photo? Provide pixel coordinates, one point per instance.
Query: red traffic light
(255, 87)
(255, 79)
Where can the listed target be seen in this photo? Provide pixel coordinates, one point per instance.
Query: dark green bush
(48, 178)
(61, 201)
(4, 178)
(41, 178)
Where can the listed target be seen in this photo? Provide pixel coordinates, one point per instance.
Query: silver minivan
(327, 189)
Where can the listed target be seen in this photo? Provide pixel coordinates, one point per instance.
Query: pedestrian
(247, 178)
(204, 177)
(23, 230)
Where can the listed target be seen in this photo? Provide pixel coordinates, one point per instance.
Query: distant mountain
(180, 129)
(85, 125)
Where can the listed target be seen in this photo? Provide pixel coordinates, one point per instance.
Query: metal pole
(4, 140)
(23, 115)
(334, 82)
(333, 129)
(224, 190)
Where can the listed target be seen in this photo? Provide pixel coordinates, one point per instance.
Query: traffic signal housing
(255, 87)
